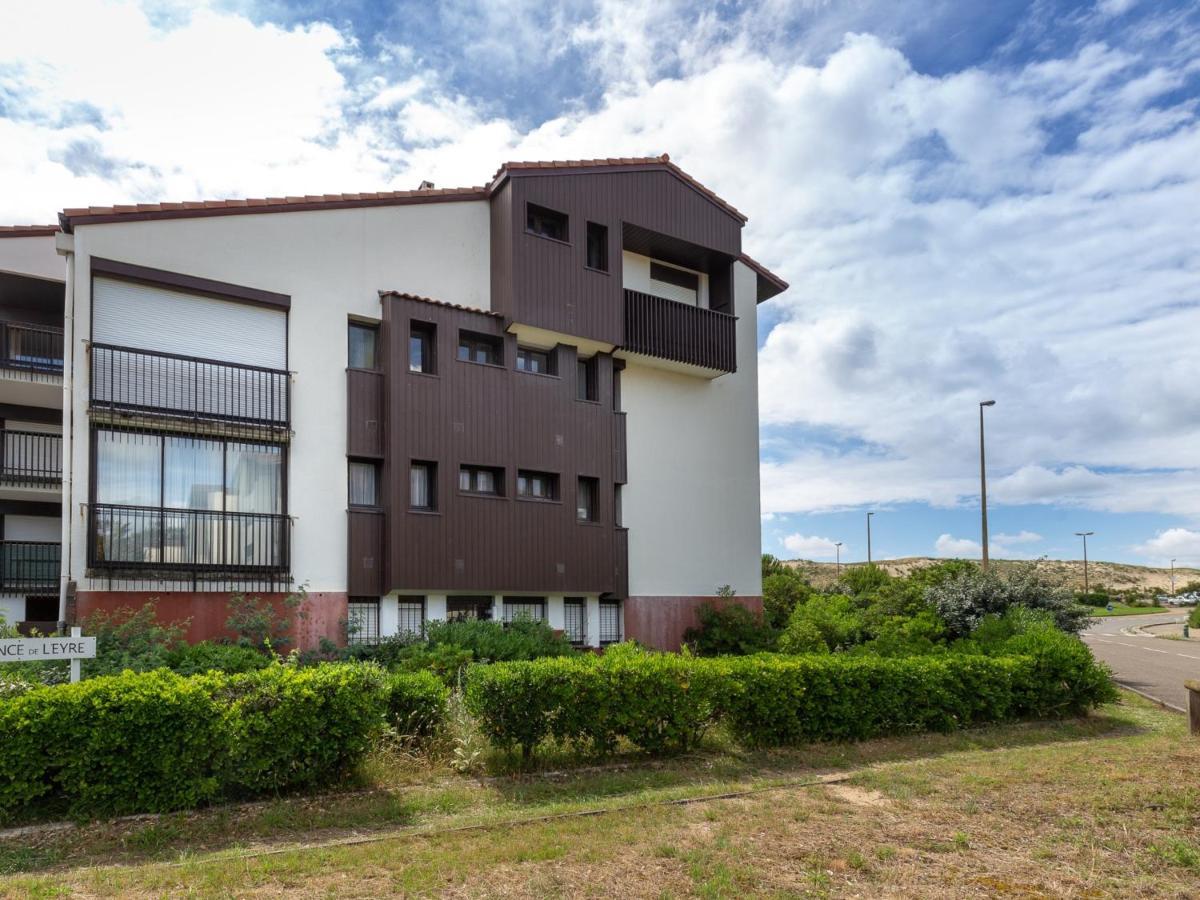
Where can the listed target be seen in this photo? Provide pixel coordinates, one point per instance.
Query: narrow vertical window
(362, 620)
(597, 247)
(585, 380)
(585, 500)
(423, 486)
(364, 484)
(421, 348)
(363, 346)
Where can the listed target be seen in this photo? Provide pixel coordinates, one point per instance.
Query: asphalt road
(1154, 666)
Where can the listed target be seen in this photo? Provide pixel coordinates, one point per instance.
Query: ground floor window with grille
(532, 608)
(412, 617)
(362, 621)
(468, 608)
(575, 620)
(610, 622)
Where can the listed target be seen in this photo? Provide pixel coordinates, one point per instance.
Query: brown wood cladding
(364, 404)
(366, 554)
(676, 331)
(473, 414)
(545, 283)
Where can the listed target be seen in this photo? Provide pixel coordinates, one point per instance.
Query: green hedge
(663, 702)
(157, 741)
(416, 703)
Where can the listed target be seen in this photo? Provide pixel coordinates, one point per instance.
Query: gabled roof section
(28, 230)
(627, 163)
(402, 295)
(92, 215)
(769, 284)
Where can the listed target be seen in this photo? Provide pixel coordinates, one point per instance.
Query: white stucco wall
(332, 264)
(34, 256)
(635, 275)
(692, 504)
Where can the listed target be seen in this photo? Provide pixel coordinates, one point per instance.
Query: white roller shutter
(127, 314)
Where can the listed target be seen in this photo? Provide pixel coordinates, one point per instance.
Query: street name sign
(41, 649)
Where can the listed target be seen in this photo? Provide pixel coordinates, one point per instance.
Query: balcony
(30, 459)
(680, 333)
(148, 383)
(29, 566)
(31, 349)
(188, 543)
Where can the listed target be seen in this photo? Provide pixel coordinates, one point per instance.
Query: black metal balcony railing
(29, 565)
(30, 458)
(187, 541)
(148, 381)
(31, 348)
(668, 329)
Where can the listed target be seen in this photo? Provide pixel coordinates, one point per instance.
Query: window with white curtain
(422, 488)
(364, 489)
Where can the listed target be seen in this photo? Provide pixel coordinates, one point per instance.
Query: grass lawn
(1120, 609)
(1094, 807)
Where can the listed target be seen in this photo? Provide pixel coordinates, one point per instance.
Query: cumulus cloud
(1175, 543)
(804, 546)
(959, 548)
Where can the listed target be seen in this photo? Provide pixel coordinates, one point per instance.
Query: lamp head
(987, 402)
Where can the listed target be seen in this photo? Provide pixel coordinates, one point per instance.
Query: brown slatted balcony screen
(668, 329)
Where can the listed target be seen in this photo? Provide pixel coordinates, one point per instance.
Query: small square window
(410, 616)
(421, 348)
(364, 484)
(585, 380)
(538, 362)
(363, 346)
(531, 609)
(537, 485)
(481, 480)
(597, 247)
(423, 486)
(362, 620)
(546, 223)
(480, 348)
(586, 496)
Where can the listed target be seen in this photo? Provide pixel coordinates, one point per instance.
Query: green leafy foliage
(726, 630)
(965, 599)
(257, 623)
(416, 703)
(783, 592)
(130, 639)
(835, 617)
(497, 642)
(1194, 617)
(215, 656)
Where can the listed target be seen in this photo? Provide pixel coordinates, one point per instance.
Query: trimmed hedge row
(661, 702)
(158, 741)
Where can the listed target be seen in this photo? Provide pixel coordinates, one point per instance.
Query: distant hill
(1115, 577)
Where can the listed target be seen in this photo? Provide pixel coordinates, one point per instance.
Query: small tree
(964, 599)
(257, 624)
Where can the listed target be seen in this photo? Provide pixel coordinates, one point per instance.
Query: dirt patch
(857, 796)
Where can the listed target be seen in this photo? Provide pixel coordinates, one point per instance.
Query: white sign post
(74, 648)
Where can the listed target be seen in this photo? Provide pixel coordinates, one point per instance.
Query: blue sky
(970, 200)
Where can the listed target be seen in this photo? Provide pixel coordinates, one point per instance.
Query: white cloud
(958, 548)
(1180, 544)
(1023, 537)
(810, 547)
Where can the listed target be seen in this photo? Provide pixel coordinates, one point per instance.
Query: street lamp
(837, 549)
(983, 482)
(869, 537)
(1172, 578)
(1085, 535)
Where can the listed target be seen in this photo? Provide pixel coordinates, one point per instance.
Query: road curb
(1163, 703)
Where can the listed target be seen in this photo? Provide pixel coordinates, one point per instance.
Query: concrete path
(1155, 666)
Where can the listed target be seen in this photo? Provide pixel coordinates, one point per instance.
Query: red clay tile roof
(406, 296)
(90, 215)
(28, 230)
(776, 285)
(645, 161)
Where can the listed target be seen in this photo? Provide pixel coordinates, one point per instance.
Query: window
(585, 380)
(537, 485)
(421, 348)
(468, 608)
(610, 622)
(617, 505)
(536, 361)
(41, 609)
(532, 609)
(616, 384)
(363, 346)
(586, 496)
(575, 620)
(362, 620)
(689, 281)
(422, 486)
(411, 616)
(481, 480)
(597, 246)
(364, 484)
(545, 222)
(480, 348)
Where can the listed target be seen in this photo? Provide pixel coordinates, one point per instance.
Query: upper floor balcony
(680, 332)
(31, 350)
(30, 459)
(128, 382)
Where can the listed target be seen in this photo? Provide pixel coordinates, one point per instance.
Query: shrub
(129, 639)
(833, 616)
(295, 727)
(416, 703)
(783, 591)
(726, 630)
(256, 622)
(1194, 617)
(147, 742)
(214, 656)
(965, 599)
(496, 642)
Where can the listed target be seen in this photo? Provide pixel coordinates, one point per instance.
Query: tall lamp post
(983, 483)
(869, 537)
(1172, 578)
(837, 549)
(1085, 535)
